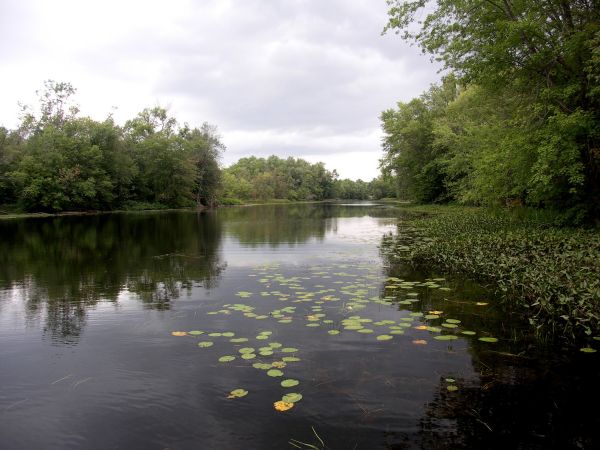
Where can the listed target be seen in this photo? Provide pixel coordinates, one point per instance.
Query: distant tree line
(295, 179)
(517, 118)
(57, 161)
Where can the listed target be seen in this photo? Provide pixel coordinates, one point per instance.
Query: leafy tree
(543, 56)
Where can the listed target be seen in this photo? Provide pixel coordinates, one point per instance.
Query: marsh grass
(551, 272)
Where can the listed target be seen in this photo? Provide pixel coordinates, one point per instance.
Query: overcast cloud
(303, 78)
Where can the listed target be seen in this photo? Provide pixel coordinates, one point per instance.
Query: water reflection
(60, 267)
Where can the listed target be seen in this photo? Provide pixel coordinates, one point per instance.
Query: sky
(301, 78)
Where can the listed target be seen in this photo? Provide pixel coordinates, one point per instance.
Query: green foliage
(276, 178)
(57, 161)
(550, 273)
(525, 126)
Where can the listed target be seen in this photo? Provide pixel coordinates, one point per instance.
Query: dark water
(87, 358)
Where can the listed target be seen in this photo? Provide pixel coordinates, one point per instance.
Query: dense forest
(295, 179)
(58, 161)
(516, 120)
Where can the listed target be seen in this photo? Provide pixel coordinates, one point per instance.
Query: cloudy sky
(303, 78)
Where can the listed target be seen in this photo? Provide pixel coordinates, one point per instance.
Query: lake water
(88, 358)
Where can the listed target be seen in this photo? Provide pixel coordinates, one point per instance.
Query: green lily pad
(365, 331)
(246, 350)
(292, 397)
(452, 388)
(449, 325)
(488, 339)
(262, 337)
(333, 332)
(289, 350)
(452, 320)
(248, 356)
(289, 383)
(446, 337)
(468, 333)
(432, 316)
(384, 337)
(227, 334)
(195, 332)
(227, 358)
(215, 334)
(262, 366)
(237, 393)
(238, 340)
(450, 380)
(204, 344)
(275, 345)
(275, 373)
(290, 359)
(397, 332)
(587, 350)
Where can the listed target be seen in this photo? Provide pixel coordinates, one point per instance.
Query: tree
(543, 53)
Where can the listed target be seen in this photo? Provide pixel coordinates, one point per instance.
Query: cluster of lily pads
(331, 306)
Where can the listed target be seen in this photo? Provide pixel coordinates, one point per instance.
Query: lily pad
(290, 359)
(215, 334)
(195, 332)
(289, 383)
(237, 393)
(333, 332)
(238, 340)
(282, 406)
(488, 339)
(275, 373)
(587, 350)
(227, 358)
(289, 350)
(248, 356)
(452, 320)
(179, 333)
(446, 337)
(228, 334)
(292, 397)
(468, 333)
(204, 344)
(384, 337)
(246, 350)
(452, 388)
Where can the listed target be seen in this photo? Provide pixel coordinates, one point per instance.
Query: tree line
(295, 179)
(57, 161)
(516, 119)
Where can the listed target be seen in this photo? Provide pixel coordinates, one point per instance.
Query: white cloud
(302, 78)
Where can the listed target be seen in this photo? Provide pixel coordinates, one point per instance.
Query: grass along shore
(551, 273)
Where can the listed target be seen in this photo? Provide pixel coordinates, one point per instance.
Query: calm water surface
(88, 306)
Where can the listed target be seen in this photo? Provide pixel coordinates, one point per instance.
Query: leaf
(278, 364)
(289, 350)
(587, 350)
(237, 393)
(481, 303)
(246, 350)
(215, 334)
(204, 344)
(248, 356)
(289, 383)
(227, 358)
(195, 332)
(452, 388)
(179, 333)
(419, 342)
(275, 373)
(446, 337)
(452, 320)
(468, 333)
(292, 397)
(290, 359)
(283, 406)
(238, 340)
(333, 332)
(488, 339)
(228, 334)
(384, 337)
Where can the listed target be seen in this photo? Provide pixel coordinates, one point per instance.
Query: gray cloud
(294, 78)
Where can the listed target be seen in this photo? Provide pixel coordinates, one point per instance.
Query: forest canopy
(58, 161)
(516, 120)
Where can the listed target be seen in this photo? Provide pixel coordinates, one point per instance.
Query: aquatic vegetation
(283, 406)
(550, 273)
(237, 393)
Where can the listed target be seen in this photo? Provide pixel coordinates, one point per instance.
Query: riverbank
(551, 274)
